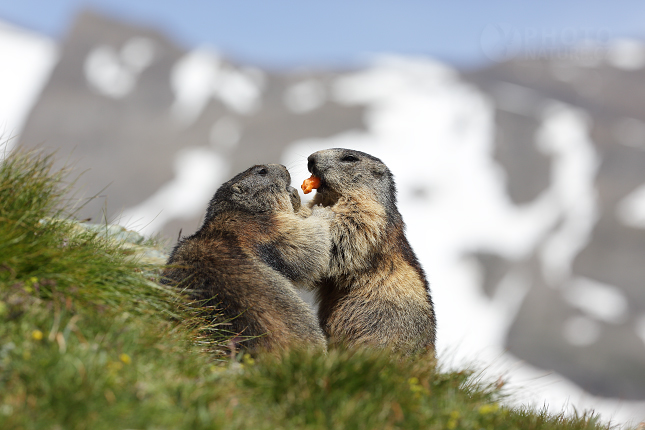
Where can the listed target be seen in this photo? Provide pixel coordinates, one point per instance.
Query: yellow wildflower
(488, 409)
(453, 421)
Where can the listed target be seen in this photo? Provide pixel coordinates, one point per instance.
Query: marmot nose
(311, 162)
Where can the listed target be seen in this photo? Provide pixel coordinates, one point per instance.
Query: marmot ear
(379, 170)
(238, 189)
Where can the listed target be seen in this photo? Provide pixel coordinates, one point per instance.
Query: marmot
(254, 245)
(376, 293)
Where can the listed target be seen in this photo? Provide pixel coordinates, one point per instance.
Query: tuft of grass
(85, 330)
(39, 251)
(89, 340)
(373, 390)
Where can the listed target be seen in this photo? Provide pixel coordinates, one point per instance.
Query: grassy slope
(87, 341)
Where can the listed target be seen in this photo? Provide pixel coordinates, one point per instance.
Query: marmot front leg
(302, 251)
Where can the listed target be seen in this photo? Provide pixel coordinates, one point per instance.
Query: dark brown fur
(376, 293)
(254, 246)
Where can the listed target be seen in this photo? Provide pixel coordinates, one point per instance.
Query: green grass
(88, 340)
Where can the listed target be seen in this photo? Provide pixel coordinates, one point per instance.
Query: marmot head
(261, 188)
(345, 171)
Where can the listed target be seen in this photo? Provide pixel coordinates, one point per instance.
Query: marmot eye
(349, 159)
(263, 171)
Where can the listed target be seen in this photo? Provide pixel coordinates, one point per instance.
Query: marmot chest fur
(251, 250)
(376, 292)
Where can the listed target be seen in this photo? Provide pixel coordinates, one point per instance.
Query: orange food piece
(310, 184)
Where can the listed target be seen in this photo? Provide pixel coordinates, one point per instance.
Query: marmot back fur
(249, 253)
(376, 293)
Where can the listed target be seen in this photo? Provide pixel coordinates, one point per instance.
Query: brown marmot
(255, 244)
(375, 292)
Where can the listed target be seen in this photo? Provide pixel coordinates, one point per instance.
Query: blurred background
(515, 131)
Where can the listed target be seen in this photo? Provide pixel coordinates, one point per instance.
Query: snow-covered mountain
(522, 185)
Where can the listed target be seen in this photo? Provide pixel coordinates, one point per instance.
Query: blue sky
(290, 33)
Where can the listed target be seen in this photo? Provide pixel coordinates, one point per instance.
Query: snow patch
(640, 327)
(138, 53)
(564, 135)
(601, 301)
(192, 79)
(627, 54)
(238, 91)
(198, 174)
(201, 75)
(305, 96)
(631, 210)
(25, 65)
(114, 73)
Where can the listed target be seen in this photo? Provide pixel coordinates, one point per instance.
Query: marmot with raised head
(375, 293)
(254, 246)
